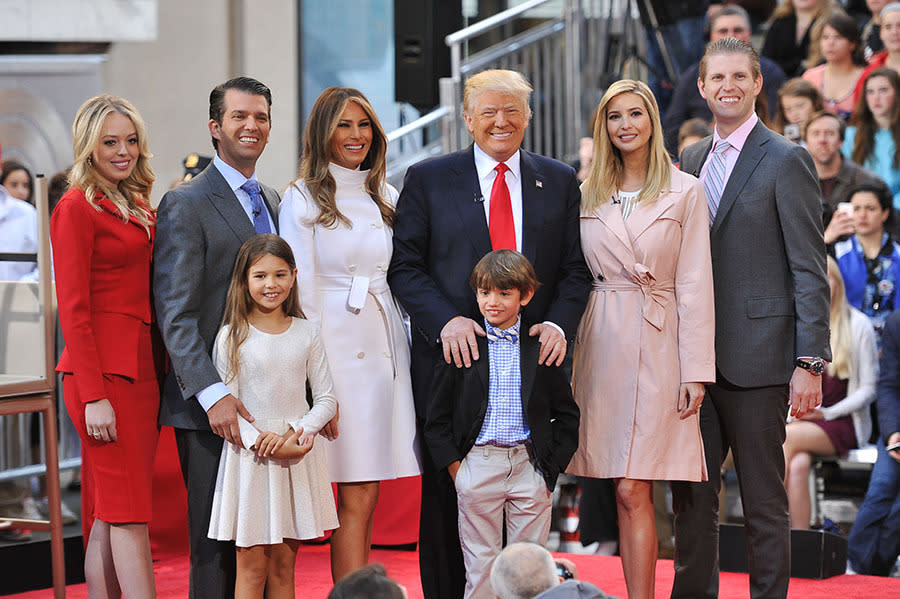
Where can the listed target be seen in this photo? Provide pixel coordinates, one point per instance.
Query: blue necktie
(714, 184)
(260, 216)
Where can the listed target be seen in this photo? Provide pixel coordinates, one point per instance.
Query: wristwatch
(815, 366)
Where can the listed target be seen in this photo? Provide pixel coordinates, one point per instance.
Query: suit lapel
(704, 146)
(528, 363)
(611, 216)
(532, 204)
(751, 154)
(465, 193)
(226, 203)
(644, 216)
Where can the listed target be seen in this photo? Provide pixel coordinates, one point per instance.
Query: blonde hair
(323, 121)
(786, 9)
(841, 339)
(131, 196)
(607, 168)
(497, 80)
(239, 304)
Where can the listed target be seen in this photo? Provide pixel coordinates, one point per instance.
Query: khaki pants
(492, 480)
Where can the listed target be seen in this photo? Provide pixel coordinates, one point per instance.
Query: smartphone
(845, 207)
(563, 572)
(893, 447)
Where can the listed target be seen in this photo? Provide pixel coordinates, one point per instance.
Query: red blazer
(102, 267)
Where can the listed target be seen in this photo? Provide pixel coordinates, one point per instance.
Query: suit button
(352, 268)
(361, 355)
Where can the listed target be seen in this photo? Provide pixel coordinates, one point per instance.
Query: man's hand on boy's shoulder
(553, 344)
(458, 338)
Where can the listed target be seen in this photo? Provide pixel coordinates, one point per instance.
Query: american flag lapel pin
(539, 184)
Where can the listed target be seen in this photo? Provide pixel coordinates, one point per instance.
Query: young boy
(504, 428)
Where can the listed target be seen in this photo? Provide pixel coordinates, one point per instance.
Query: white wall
(169, 79)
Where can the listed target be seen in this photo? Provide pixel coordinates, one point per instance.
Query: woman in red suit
(102, 236)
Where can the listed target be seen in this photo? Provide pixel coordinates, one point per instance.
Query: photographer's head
(522, 571)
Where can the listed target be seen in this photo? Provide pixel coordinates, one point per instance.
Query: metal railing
(569, 57)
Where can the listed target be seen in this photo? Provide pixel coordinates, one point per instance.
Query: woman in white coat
(337, 217)
(843, 422)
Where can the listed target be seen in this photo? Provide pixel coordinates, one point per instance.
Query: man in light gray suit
(772, 312)
(201, 225)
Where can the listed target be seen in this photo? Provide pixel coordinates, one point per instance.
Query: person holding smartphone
(874, 542)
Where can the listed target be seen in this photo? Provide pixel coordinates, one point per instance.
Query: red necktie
(500, 221)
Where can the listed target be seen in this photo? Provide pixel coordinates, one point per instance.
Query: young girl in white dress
(277, 490)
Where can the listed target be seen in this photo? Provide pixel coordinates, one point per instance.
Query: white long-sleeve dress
(362, 328)
(262, 501)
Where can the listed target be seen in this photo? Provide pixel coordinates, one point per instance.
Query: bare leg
(252, 565)
(283, 559)
(99, 570)
(130, 545)
(350, 543)
(803, 439)
(637, 536)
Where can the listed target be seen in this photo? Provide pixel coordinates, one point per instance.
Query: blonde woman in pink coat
(645, 347)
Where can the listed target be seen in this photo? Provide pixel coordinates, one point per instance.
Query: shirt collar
(738, 137)
(484, 164)
(232, 176)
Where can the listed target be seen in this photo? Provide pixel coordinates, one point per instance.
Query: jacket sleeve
(798, 200)
(295, 228)
(445, 387)
(565, 417)
(408, 275)
(889, 378)
(72, 233)
(573, 283)
(694, 290)
(178, 286)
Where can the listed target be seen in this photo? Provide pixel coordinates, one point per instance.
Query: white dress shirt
(484, 166)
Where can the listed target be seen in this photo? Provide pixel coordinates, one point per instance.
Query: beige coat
(648, 327)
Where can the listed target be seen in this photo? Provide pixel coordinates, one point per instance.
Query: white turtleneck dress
(365, 339)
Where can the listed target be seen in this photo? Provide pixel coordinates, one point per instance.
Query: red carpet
(314, 580)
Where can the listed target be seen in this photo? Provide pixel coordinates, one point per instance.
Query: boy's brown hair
(504, 269)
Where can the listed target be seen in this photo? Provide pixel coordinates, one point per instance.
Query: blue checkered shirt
(504, 423)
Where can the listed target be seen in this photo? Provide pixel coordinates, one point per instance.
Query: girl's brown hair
(864, 120)
(239, 304)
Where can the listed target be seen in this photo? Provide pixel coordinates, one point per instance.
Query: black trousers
(441, 564)
(750, 422)
(212, 562)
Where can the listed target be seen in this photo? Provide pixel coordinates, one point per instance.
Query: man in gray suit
(201, 225)
(772, 312)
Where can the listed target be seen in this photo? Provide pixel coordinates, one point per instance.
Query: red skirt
(122, 471)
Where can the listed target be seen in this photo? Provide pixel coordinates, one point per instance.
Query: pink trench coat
(648, 327)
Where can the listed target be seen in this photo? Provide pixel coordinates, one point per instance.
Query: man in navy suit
(453, 210)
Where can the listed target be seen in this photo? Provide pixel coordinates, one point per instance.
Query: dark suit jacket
(889, 378)
(459, 400)
(440, 232)
(200, 228)
(768, 257)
